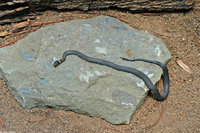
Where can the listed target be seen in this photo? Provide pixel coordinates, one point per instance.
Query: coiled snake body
(133, 71)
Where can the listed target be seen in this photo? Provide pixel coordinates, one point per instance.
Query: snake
(134, 71)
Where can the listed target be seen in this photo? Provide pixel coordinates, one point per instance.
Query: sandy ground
(179, 113)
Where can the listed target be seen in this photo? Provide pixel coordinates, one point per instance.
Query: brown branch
(99, 13)
(12, 42)
(163, 107)
(196, 7)
(112, 129)
(2, 122)
(43, 118)
(27, 31)
(153, 14)
(196, 13)
(53, 22)
(156, 122)
(196, 41)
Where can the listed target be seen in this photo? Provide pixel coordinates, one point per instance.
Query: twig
(115, 17)
(99, 13)
(27, 31)
(2, 122)
(114, 130)
(195, 12)
(163, 107)
(196, 7)
(153, 14)
(156, 122)
(36, 24)
(12, 42)
(43, 118)
(53, 22)
(161, 112)
(196, 41)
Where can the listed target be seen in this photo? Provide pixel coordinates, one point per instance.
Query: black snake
(133, 71)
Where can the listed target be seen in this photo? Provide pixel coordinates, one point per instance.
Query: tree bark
(12, 9)
(132, 5)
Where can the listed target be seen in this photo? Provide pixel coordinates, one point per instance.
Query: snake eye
(56, 63)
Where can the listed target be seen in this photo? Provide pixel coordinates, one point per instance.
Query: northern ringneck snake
(141, 75)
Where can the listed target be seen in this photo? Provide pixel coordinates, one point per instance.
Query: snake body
(141, 75)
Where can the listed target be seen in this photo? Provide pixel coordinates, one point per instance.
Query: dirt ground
(179, 113)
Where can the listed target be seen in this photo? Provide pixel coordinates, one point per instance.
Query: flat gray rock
(78, 85)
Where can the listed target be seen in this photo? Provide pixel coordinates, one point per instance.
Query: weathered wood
(132, 5)
(16, 19)
(11, 9)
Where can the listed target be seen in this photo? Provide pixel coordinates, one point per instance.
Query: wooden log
(16, 19)
(132, 5)
(12, 9)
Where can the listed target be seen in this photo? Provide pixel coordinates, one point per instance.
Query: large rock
(78, 85)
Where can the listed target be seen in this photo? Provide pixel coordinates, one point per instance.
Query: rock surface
(78, 85)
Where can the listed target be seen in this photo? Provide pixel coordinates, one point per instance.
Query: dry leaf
(5, 33)
(184, 66)
(91, 67)
(129, 53)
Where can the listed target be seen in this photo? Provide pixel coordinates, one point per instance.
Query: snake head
(56, 63)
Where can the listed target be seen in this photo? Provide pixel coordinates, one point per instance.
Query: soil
(179, 113)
